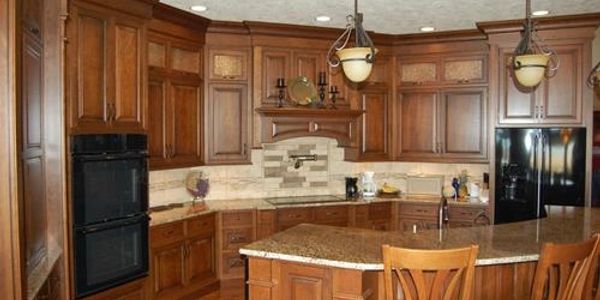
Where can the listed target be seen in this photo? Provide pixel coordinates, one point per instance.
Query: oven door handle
(113, 224)
(110, 156)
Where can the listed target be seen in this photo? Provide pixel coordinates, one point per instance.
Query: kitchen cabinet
(183, 260)
(305, 282)
(175, 98)
(237, 228)
(557, 100)
(417, 217)
(227, 124)
(442, 70)
(276, 63)
(448, 124)
(308, 64)
(106, 55)
(228, 64)
(375, 137)
(376, 216)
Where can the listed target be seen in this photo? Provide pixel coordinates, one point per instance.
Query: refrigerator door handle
(539, 146)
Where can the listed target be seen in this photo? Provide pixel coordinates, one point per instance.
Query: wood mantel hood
(285, 123)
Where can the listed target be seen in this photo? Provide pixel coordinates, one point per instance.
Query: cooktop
(304, 200)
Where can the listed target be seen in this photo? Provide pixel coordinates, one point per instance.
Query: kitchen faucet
(443, 213)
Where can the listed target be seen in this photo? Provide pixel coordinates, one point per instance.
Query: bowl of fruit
(389, 191)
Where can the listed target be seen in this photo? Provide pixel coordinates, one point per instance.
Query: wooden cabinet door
(516, 105)
(228, 64)
(416, 224)
(420, 71)
(417, 113)
(561, 95)
(374, 125)
(308, 64)
(185, 119)
(168, 270)
(200, 260)
(32, 153)
(157, 113)
(87, 58)
(128, 102)
(305, 282)
(227, 124)
(463, 129)
(464, 69)
(275, 64)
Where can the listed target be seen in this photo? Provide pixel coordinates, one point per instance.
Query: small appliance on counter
(369, 188)
(351, 187)
(109, 186)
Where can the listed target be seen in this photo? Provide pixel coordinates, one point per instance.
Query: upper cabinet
(175, 91)
(276, 63)
(443, 69)
(442, 125)
(228, 64)
(557, 100)
(106, 57)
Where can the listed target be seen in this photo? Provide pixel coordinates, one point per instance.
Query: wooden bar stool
(430, 274)
(562, 270)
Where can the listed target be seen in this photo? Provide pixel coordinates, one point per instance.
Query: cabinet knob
(34, 30)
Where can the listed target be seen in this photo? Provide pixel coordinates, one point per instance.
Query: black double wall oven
(110, 210)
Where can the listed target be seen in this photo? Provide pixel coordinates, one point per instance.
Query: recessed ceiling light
(427, 28)
(198, 8)
(323, 18)
(540, 12)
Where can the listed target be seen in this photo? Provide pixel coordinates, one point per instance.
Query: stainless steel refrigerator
(537, 167)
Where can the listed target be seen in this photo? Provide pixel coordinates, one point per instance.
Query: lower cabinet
(376, 216)
(305, 282)
(183, 258)
(236, 229)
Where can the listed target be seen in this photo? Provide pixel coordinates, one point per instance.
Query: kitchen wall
(595, 60)
(272, 173)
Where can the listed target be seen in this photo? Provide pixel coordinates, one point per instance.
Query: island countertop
(360, 249)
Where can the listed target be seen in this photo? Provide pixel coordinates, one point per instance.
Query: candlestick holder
(322, 88)
(281, 87)
(333, 95)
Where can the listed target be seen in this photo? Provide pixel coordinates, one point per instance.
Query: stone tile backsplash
(272, 173)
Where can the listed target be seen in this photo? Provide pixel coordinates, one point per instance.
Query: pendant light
(357, 61)
(532, 60)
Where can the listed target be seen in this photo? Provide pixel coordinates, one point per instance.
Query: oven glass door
(109, 187)
(110, 254)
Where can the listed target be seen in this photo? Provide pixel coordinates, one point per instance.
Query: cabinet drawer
(380, 211)
(237, 218)
(166, 234)
(295, 215)
(381, 225)
(331, 213)
(416, 225)
(464, 213)
(419, 210)
(235, 238)
(201, 225)
(232, 264)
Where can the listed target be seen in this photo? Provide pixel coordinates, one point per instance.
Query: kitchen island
(325, 262)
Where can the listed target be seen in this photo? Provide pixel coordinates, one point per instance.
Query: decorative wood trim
(227, 27)
(173, 15)
(438, 37)
(308, 112)
(555, 22)
(140, 8)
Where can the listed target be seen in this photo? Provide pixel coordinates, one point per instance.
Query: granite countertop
(184, 211)
(361, 248)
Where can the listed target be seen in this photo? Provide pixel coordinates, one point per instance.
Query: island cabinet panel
(227, 130)
(417, 217)
(183, 260)
(106, 74)
(305, 282)
(555, 101)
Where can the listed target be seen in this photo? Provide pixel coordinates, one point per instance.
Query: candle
(322, 78)
(333, 89)
(280, 82)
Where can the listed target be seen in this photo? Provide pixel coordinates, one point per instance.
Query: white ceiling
(384, 16)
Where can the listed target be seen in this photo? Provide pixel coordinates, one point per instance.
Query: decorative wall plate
(302, 91)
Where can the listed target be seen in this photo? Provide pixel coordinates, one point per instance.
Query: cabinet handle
(542, 112)
(245, 149)
(34, 30)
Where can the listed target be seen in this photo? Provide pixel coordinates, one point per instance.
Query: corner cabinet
(227, 128)
(442, 125)
(557, 100)
(106, 74)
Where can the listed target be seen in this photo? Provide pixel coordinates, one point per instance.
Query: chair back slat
(430, 274)
(562, 270)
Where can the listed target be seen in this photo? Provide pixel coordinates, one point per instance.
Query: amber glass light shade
(530, 68)
(355, 64)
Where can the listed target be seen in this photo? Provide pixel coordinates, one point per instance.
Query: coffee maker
(351, 188)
